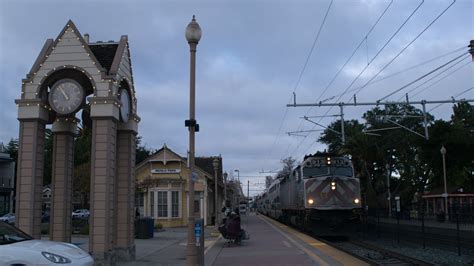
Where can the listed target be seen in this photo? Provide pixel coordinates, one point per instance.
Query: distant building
(459, 200)
(162, 188)
(7, 182)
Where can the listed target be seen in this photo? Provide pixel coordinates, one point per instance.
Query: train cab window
(344, 171)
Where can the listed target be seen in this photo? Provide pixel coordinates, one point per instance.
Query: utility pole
(248, 194)
(389, 197)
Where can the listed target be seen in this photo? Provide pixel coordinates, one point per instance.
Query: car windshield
(10, 234)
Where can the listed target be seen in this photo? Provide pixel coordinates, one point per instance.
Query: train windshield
(325, 170)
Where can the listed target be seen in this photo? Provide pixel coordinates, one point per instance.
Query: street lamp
(445, 194)
(225, 189)
(238, 187)
(215, 163)
(238, 175)
(193, 35)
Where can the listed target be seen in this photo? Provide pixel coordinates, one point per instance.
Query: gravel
(429, 254)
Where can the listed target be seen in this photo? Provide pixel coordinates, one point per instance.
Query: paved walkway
(272, 243)
(167, 247)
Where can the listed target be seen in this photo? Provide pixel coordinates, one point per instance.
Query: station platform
(273, 243)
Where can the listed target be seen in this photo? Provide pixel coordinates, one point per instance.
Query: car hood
(60, 248)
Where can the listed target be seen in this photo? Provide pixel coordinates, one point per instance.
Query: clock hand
(65, 95)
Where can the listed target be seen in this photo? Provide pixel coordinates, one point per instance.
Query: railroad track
(373, 254)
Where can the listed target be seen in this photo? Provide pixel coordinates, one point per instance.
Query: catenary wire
(459, 94)
(396, 56)
(364, 39)
(421, 77)
(365, 68)
(302, 72)
(442, 78)
(400, 72)
(437, 75)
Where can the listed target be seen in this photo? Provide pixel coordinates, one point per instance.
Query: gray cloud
(249, 59)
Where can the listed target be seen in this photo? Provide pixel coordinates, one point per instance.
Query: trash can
(144, 227)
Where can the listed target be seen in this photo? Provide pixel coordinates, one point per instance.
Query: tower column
(29, 185)
(125, 245)
(62, 175)
(102, 197)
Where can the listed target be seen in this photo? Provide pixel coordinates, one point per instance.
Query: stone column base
(104, 258)
(125, 253)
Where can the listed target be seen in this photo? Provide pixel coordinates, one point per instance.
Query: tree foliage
(390, 143)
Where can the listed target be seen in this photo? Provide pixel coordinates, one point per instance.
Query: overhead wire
(404, 48)
(400, 72)
(301, 73)
(396, 56)
(437, 75)
(368, 64)
(364, 39)
(457, 95)
(421, 77)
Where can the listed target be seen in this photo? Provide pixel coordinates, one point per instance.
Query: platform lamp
(215, 163)
(193, 35)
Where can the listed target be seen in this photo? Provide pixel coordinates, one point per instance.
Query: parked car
(18, 248)
(45, 217)
(8, 218)
(81, 213)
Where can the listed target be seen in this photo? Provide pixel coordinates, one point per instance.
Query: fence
(413, 224)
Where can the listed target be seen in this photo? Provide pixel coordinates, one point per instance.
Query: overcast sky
(249, 61)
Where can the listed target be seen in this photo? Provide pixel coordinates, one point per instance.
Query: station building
(162, 188)
(7, 181)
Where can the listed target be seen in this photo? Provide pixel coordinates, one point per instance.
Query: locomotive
(321, 195)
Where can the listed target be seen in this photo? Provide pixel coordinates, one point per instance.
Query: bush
(84, 230)
(158, 226)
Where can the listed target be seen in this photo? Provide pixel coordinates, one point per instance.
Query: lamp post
(238, 187)
(215, 163)
(445, 194)
(389, 196)
(193, 35)
(225, 189)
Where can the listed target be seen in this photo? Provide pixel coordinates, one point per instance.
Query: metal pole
(225, 189)
(445, 195)
(425, 120)
(191, 248)
(248, 194)
(342, 124)
(423, 228)
(388, 192)
(216, 220)
(458, 238)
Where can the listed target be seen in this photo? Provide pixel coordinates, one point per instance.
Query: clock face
(125, 107)
(66, 96)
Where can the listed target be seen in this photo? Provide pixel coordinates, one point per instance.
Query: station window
(162, 203)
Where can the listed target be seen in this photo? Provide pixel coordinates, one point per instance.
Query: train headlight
(356, 201)
(333, 185)
(311, 201)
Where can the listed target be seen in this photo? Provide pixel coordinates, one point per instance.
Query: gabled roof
(165, 154)
(207, 164)
(106, 55)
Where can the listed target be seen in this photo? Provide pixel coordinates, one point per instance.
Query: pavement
(273, 243)
(270, 243)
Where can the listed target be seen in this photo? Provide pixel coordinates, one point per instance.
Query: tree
(142, 152)
(288, 165)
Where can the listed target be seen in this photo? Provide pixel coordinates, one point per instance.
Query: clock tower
(72, 74)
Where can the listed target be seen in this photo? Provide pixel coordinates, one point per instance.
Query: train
(321, 195)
